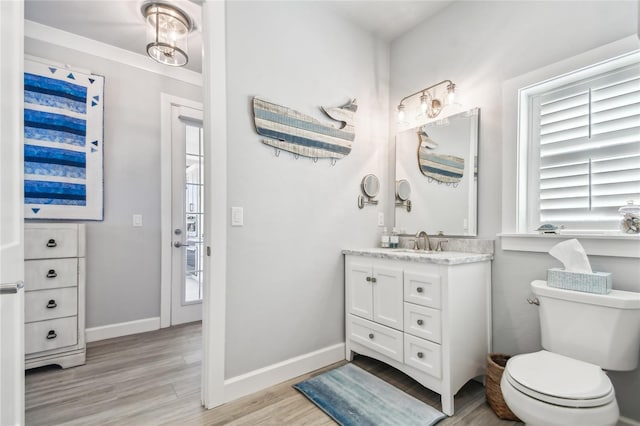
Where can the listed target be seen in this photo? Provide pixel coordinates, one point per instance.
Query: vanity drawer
(52, 334)
(50, 273)
(379, 338)
(44, 243)
(423, 355)
(423, 322)
(422, 289)
(48, 304)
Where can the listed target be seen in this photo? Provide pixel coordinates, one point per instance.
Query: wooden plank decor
(440, 167)
(289, 130)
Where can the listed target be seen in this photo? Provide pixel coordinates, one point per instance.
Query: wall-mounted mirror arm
(370, 187)
(362, 201)
(406, 204)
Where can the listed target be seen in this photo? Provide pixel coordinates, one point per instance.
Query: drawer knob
(368, 279)
(52, 304)
(52, 273)
(420, 355)
(420, 322)
(419, 290)
(373, 279)
(51, 334)
(52, 243)
(370, 335)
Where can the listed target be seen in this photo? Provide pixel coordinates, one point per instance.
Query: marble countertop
(440, 257)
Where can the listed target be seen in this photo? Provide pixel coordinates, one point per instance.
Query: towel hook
(277, 152)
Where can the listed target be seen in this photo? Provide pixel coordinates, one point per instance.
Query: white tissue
(572, 255)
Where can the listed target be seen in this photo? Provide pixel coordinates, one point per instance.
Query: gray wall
(285, 294)
(479, 45)
(123, 263)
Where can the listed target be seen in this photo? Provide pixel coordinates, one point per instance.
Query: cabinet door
(387, 297)
(359, 288)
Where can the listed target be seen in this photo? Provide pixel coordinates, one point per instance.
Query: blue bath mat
(354, 397)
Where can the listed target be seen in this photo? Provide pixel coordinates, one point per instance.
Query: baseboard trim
(628, 421)
(122, 329)
(254, 381)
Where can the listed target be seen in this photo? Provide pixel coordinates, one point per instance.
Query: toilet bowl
(543, 388)
(582, 334)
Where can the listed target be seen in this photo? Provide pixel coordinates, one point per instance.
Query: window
(580, 133)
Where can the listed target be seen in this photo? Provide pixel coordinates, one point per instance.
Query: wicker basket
(495, 368)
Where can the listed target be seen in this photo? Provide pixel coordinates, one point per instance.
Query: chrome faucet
(423, 235)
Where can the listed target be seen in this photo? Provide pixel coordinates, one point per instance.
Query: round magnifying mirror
(370, 185)
(403, 190)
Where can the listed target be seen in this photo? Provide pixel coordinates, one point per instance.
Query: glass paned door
(194, 210)
(187, 211)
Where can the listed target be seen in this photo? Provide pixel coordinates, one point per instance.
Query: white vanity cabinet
(428, 316)
(54, 294)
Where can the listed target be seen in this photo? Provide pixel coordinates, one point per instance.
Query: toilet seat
(559, 380)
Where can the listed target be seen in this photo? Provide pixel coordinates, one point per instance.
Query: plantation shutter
(589, 149)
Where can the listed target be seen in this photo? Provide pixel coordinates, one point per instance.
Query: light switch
(237, 216)
(380, 218)
(137, 220)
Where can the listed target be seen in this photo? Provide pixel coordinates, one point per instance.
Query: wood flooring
(154, 379)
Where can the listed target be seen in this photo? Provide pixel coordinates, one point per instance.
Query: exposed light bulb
(401, 112)
(451, 96)
(424, 103)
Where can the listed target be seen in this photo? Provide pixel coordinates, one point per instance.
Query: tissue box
(595, 282)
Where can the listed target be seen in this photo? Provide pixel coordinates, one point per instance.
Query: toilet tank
(600, 329)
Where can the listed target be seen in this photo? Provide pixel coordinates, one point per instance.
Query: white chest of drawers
(54, 294)
(431, 320)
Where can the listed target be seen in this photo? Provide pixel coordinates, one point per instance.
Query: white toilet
(582, 333)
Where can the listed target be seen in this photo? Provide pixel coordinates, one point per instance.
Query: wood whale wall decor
(289, 130)
(442, 168)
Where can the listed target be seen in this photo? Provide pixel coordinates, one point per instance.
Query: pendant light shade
(168, 33)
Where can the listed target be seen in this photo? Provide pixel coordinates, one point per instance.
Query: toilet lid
(560, 380)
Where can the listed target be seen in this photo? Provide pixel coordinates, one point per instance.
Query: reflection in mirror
(439, 160)
(370, 187)
(403, 192)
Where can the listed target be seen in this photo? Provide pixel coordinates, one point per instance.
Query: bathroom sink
(414, 251)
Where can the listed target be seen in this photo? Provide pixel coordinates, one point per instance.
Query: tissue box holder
(595, 282)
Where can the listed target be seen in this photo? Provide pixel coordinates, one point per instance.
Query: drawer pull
(51, 334)
(52, 304)
(52, 243)
(370, 335)
(420, 322)
(368, 279)
(373, 279)
(419, 290)
(420, 355)
(52, 273)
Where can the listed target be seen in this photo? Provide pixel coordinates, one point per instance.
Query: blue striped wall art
(63, 143)
(289, 130)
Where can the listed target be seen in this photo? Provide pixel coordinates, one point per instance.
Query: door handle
(178, 244)
(11, 288)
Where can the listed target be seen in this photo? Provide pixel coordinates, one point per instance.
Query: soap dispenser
(394, 240)
(384, 238)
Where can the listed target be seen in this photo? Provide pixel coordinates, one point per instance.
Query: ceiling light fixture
(169, 28)
(430, 103)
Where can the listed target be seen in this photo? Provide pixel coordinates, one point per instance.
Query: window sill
(616, 245)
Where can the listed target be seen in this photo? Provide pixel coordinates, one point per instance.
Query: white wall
(285, 294)
(123, 263)
(480, 45)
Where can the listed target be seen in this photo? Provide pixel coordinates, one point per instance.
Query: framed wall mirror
(439, 160)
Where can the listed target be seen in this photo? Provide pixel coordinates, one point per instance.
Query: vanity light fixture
(430, 102)
(169, 29)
